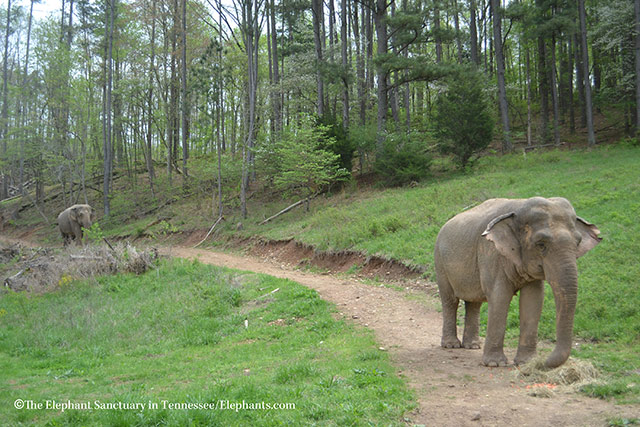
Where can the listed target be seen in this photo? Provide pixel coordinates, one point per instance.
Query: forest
(290, 96)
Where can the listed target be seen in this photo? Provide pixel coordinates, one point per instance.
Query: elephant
(72, 220)
(502, 246)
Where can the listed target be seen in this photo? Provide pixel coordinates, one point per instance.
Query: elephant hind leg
(449, 313)
(471, 338)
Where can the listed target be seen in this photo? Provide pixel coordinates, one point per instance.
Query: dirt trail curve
(453, 388)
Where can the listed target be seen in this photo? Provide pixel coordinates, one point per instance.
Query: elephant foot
(452, 342)
(523, 356)
(494, 359)
(471, 345)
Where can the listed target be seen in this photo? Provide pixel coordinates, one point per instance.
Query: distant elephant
(503, 246)
(72, 220)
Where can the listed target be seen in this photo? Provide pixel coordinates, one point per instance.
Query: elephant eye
(541, 245)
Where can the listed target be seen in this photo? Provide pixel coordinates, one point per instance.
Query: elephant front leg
(493, 354)
(531, 299)
(471, 338)
(449, 314)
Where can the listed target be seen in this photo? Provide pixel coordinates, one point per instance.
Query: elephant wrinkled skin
(72, 220)
(503, 246)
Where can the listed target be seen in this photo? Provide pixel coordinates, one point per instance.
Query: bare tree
(106, 114)
(345, 64)
(185, 97)
(591, 137)
(318, 17)
(637, 61)
(502, 91)
(4, 116)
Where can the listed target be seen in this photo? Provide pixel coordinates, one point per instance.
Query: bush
(305, 162)
(338, 141)
(405, 157)
(462, 120)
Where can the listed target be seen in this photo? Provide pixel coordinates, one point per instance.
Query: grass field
(177, 335)
(603, 185)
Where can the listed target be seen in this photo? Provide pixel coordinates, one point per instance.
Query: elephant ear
(73, 214)
(589, 234)
(500, 232)
(93, 214)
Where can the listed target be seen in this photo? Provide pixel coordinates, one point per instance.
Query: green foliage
(304, 161)
(405, 157)
(93, 233)
(338, 141)
(178, 334)
(462, 120)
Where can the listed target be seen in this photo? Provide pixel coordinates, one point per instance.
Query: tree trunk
(345, 64)
(473, 32)
(318, 15)
(277, 104)
(580, 81)
(591, 137)
(456, 21)
(502, 92)
(572, 114)
(4, 116)
(185, 97)
(149, 156)
(23, 113)
(554, 94)
(637, 61)
(362, 84)
(108, 147)
(528, 72)
(381, 33)
(436, 29)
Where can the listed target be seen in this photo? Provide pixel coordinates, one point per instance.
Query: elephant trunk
(563, 278)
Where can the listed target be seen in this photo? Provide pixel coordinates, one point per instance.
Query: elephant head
(543, 239)
(83, 215)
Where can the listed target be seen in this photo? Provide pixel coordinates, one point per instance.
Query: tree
(585, 64)
(106, 114)
(4, 115)
(637, 60)
(502, 91)
(462, 120)
(305, 162)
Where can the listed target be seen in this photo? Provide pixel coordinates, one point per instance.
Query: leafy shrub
(405, 157)
(462, 119)
(338, 140)
(305, 161)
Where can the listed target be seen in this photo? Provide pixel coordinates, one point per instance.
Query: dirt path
(453, 388)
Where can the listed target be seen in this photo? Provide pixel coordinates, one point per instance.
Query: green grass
(603, 185)
(177, 334)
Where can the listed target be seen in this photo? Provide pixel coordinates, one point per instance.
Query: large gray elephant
(72, 220)
(503, 246)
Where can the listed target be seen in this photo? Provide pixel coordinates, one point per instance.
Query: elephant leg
(470, 338)
(531, 298)
(449, 313)
(77, 232)
(499, 300)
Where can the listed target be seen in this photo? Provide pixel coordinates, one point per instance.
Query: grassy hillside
(177, 334)
(603, 185)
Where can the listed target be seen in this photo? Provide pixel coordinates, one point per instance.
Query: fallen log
(283, 211)
(210, 230)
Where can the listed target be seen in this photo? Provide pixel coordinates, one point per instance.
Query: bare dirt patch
(297, 254)
(452, 386)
